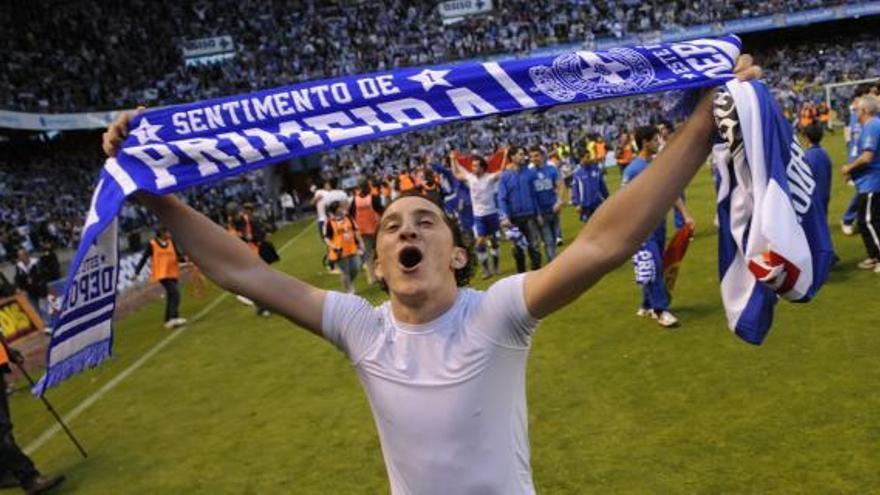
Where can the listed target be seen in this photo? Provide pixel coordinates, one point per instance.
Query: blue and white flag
(773, 240)
(175, 148)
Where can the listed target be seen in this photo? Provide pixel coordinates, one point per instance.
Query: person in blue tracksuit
(648, 261)
(865, 172)
(588, 188)
(847, 222)
(548, 184)
(517, 200)
(456, 199)
(820, 163)
(448, 188)
(465, 209)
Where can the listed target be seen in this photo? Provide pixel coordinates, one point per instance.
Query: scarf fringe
(88, 357)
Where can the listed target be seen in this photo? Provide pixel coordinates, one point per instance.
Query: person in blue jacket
(848, 221)
(456, 199)
(518, 202)
(865, 172)
(548, 185)
(820, 163)
(648, 261)
(588, 188)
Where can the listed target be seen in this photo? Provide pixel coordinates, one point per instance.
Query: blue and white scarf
(175, 148)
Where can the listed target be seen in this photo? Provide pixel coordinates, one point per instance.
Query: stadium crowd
(37, 209)
(56, 59)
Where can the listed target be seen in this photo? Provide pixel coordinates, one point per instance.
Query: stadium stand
(59, 62)
(64, 45)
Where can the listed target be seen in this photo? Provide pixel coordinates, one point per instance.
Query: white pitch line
(76, 411)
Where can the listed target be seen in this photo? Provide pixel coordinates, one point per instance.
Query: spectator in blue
(548, 184)
(518, 202)
(648, 260)
(465, 210)
(456, 199)
(865, 172)
(448, 188)
(819, 161)
(854, 130)
(588, 189)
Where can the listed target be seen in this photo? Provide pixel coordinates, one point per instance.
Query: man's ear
(377, 268)
(459, 258)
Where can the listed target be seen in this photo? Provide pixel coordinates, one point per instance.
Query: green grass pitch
(238, 404)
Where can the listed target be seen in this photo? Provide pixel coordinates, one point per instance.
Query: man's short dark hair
(814, 133)
(463, 274)
(861, 90)
(536, 149)
(644, 134)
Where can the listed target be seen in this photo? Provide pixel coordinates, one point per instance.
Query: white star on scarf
(146, 132)
(430, 78)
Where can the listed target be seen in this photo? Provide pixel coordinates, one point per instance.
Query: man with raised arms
(443, 366)
(483, 186)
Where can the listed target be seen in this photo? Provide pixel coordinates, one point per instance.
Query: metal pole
(53, 412)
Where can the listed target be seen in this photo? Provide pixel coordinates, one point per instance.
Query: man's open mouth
(409, 257)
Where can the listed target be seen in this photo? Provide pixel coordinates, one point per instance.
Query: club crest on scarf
(618, 71)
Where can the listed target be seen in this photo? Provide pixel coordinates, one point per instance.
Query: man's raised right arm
(224, 258)
(457, 170)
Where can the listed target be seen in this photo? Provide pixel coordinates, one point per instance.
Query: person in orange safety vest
(366, 210)
(346, 245)
(166, 271)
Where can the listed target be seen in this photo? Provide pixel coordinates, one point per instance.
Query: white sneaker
(848, 229)
(244, 300)
(646, 313)
(175, 323)
(877, 268)
(667, 319)
(868, 264)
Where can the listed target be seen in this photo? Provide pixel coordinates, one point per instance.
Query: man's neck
(416, 310)
(645, 156)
